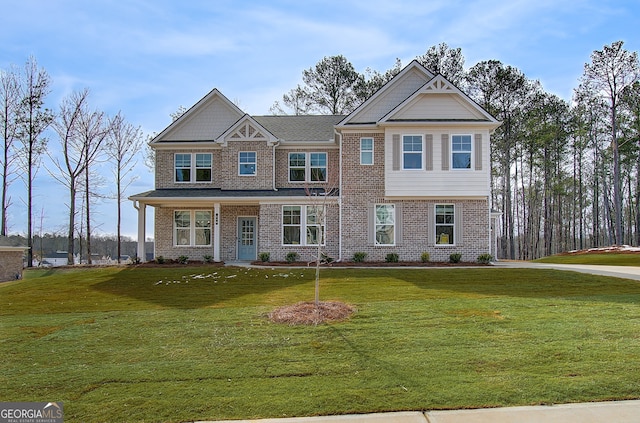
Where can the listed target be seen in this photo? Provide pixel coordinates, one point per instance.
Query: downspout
(339, 196)
(273, 176)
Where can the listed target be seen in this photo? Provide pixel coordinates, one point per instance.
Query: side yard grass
(185, 344)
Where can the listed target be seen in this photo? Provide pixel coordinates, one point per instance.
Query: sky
(146, 58)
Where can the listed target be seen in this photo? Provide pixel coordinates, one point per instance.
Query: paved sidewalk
(628, 272)
(595, 412)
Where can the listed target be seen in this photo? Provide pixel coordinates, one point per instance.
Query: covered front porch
(213, 224)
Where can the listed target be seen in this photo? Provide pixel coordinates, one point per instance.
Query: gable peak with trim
(416, 95)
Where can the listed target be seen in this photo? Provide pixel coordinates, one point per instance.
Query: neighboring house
(58, 258)
(11, 259)
(410, 168)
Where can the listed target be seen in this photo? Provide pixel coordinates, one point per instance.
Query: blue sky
(148, 57)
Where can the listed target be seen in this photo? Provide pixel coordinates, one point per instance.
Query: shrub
(292, 257)
(425, 257)
(485, 258)
(392, 258)
(455, 258)
(160, 260)
(359, 256)
(135, 260)
(207, 258)
(324, 258)
(183, 259)
(264, 257)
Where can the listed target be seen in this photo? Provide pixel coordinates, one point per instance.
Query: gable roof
(301, 127)
(417, 95)
(401, 86)
(206, 120)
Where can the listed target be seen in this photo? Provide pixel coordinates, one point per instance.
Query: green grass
(135, 345)
(611, 259)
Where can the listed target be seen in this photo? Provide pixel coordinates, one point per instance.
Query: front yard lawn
(184, 344)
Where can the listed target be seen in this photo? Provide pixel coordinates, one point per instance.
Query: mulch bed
(368, 264)
(306, 313)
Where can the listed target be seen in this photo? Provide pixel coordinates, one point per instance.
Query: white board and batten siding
(436, 178)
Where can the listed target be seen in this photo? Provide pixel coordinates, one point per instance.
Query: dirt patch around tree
(307, 313)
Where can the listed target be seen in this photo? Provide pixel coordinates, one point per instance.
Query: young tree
(32, 120)
(9, 102)
(67, 127)
(447, 61)
(123, 144)
(93, 130)
(611, 70)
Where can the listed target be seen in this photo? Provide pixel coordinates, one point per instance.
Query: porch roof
(190, 195)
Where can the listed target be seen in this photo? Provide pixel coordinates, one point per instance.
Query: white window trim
(435, 225)
(422, 153)
(307, 167)
(303, 226)
(192, 228)
(255, 164)
(372, 151)
(193, 169)
(375, 225)
(451, 153)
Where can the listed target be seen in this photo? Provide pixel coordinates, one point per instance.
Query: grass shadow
(192, 288)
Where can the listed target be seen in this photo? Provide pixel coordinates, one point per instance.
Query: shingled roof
(301, 127)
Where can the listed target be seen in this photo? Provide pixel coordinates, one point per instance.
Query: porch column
(142, 224)
(216, 232)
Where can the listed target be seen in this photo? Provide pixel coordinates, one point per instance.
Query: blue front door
(247, 238)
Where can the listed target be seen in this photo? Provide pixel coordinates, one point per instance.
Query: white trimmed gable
(246, 129)
(205, 121)
(438, 100)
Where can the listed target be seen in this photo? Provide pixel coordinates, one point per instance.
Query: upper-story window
(247, 163)
(366, 151)
(307, 167)
(461, 151)
(412, 152)
(192, 167)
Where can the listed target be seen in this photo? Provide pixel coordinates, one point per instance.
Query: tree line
(564, 175)
(85, 137)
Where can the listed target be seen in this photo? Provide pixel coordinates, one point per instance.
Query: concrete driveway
(627, 272)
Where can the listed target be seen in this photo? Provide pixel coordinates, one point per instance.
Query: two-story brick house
(407, 172)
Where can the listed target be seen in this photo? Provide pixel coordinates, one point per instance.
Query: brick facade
(415, 102)
(11, 263)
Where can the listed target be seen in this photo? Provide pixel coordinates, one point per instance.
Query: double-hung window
(192, 227)
(385, 217)
(247, 163)
(192, 167)
(303, 225)
(307, 167)
(461, 151)
(366, 151)
(445, 224)
(412, 152)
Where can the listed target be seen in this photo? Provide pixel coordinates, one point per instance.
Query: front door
(247, 238)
